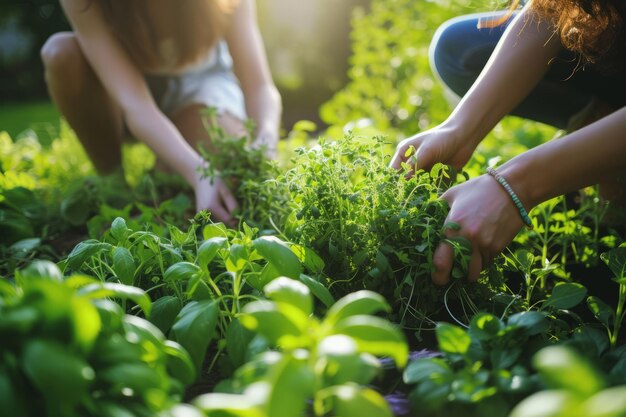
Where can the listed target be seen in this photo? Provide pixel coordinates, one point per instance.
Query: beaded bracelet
(522, 211)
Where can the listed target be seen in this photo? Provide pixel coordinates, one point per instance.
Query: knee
(62, 56)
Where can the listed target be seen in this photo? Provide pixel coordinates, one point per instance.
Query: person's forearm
(264, 106)
(151, 127)
(594, 154)
(518, 63)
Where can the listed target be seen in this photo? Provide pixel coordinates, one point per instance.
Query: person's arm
(518, 63)
(124, 82)
(263, 102)
(485, 212)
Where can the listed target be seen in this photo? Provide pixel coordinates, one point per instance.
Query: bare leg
(83, 101)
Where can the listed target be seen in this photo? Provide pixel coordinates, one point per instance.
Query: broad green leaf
(12, 401)
(237, 340)
(214, 230)
(610, 402)
(86, 321)
(550, 403)
(566, 295)
(181, 271)
(291, 376)
(85, 250)
(309, 258)
(41, 270)
(179, 363)
(601, 311)
(194, 328)
(376, 336)
(138, 376)
(280, 325)
(351, 400)
(340, 362)
(533, 322)
(356, 303)
(208, 249)
(238, 257)
(561, 368)
(228, 405)
(124, 265)
(115, 290)
(116, 349)
(164, 312)
(615, 259)
(287, 290)
(119, 230)
(277, 253)
(59, 374)
(423, 369)
(485, 326)
(452, 339)
(319, 290)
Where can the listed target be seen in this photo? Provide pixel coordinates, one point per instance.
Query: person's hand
(268, 141)
(440, 144)
(213, 195)
(487, 218)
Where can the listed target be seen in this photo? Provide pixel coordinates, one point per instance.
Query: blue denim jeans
(460, 50)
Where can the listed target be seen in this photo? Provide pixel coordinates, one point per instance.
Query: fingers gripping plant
(322, 364)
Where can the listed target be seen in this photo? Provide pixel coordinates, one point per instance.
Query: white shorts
(211, 83)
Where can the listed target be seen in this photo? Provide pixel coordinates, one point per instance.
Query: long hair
(592, 28)
(198, 25)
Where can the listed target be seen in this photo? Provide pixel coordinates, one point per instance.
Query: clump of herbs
(375, 227)
(248, 172)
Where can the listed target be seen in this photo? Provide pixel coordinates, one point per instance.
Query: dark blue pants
(460, 50)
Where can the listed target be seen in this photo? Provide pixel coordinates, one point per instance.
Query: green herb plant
(323, 364)
(68, 350)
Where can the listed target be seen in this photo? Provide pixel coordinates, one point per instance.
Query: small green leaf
(194, 328)
(179, 362)
(452, 339)
(181, 271)
(115, 290)
(119, 230)
(287, 290)
(485, 326)
(281, 325)
(164, 312)
(360, 302)
(58, 374)
(423, 369)
(376, 336)
(601, 311)
(41, 270)
(351, 400)
(214, 230)
(295, 377)
(83, 251)
(319, 290)
(615, 259)
(208, 249)
(277, 253)
(566, 295)
(533, 322)
(562, 368)
(124, 265)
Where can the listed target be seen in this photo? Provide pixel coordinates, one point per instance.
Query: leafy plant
(68, 350)
(323, 361)
(575, 388)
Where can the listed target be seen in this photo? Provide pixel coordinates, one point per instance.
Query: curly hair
(592, 28)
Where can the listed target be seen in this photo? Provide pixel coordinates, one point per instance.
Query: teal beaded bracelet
(522, 211)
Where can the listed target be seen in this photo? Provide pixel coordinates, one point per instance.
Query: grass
(40, 116)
